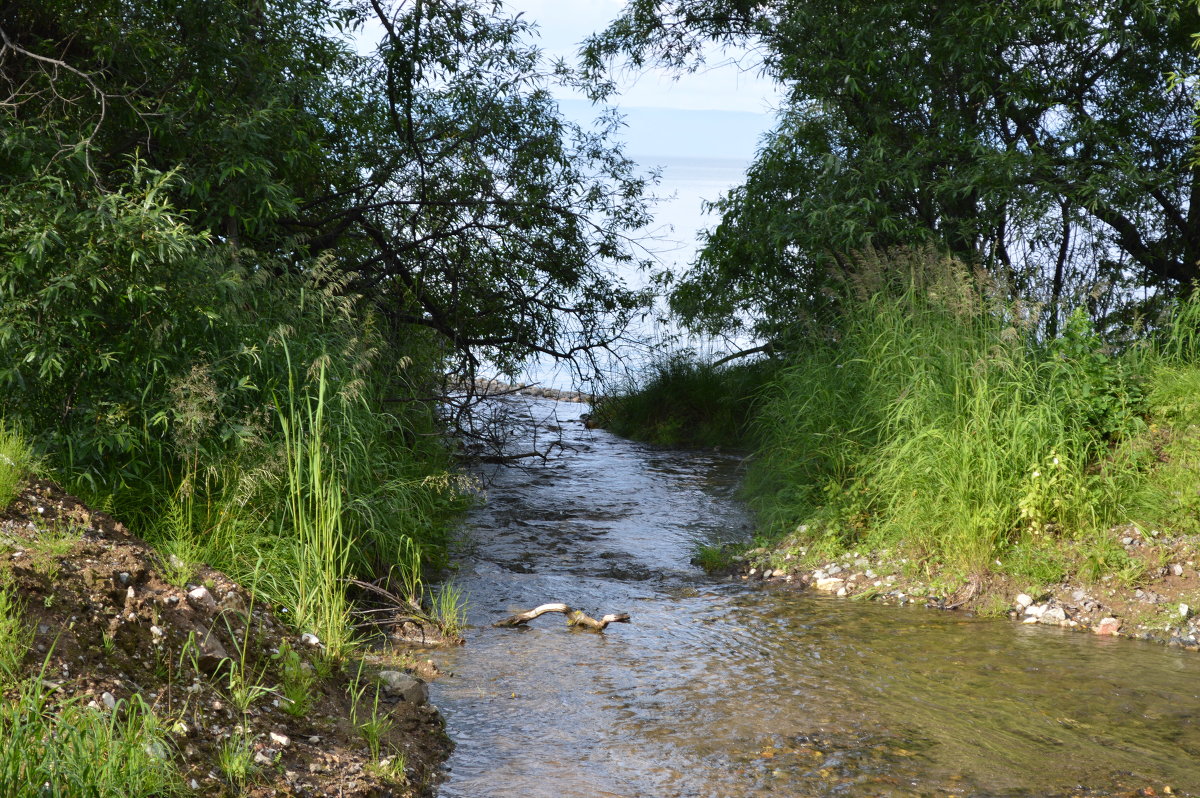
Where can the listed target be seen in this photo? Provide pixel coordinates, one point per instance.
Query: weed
(235, 758)
(81, 750)
(713, 558)
(16, 637)
(392, 768)
(448, 610)
(297, 680)
(16, 462)
(372, 725)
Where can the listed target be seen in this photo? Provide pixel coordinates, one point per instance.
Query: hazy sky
(718, 112)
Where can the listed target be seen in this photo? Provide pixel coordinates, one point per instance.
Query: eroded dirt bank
(250, 707)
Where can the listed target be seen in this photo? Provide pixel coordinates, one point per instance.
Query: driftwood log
(574, 617)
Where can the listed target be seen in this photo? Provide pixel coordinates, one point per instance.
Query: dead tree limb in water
(574, 617)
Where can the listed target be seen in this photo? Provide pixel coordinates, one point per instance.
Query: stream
(720, 688)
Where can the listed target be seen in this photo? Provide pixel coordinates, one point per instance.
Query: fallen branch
(574, 617)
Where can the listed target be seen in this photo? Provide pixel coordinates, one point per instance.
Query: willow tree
(176, 179)
(1041, 140)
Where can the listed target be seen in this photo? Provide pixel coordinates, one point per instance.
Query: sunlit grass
(16, 462)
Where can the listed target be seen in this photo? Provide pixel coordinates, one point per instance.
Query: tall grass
(321, 549)
(53, 750)
(931, 418)
(684, 401)
(16, 637)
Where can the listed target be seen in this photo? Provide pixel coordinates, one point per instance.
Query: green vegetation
(16, 462)
(15, 637)
(238, 272)
(683, 401)
(240, 263)
(1046, 143)
(975, 282)
(933, 420)
(70, 749)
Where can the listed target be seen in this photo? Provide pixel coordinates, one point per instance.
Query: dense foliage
(934, 421)
(1046, 142)
(239, 257)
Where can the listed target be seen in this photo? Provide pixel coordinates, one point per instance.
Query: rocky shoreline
(1157, 600)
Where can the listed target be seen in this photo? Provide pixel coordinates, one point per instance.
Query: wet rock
(829, 584)
(1053, 615)
(1107, 626)
(201, 599)
(407, 687)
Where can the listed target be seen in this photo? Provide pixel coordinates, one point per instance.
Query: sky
(718, 112)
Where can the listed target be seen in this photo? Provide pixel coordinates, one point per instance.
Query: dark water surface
(719, 689)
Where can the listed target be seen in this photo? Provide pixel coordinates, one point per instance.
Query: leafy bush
(149, 362)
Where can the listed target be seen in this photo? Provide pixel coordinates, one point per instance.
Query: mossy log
(574, 617)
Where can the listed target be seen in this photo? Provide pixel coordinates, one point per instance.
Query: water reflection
(726, 690)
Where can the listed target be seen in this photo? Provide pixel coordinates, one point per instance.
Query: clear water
(720, 689)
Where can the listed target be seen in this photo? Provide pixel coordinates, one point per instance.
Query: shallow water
(720, 689)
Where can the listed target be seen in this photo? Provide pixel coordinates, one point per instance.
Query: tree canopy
(1046, 142)
(435, 172)
(203, 201)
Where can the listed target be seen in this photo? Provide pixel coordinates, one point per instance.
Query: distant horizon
(675, 132)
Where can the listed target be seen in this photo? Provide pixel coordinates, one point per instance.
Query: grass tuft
(16, 462)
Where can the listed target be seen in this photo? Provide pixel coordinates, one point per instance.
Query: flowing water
(727, 689)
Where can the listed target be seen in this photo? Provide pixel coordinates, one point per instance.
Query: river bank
(1155, 597)
(181, 669)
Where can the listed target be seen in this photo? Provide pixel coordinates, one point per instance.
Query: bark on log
(574, 617)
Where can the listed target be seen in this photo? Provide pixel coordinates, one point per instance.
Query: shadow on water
(720, 689)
